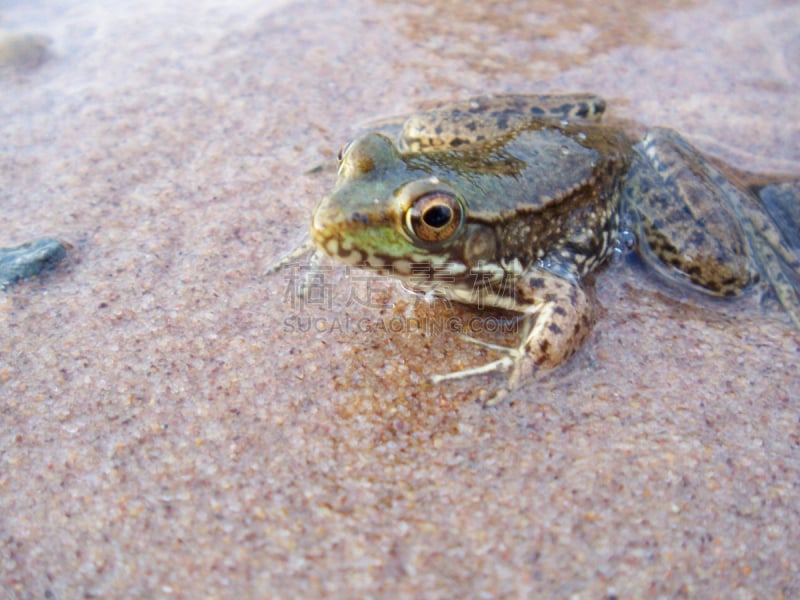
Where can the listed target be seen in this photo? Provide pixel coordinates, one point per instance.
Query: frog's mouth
(364, 247)
(370, 241)
(334, 234)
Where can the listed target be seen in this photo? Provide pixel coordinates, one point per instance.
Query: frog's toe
(294, 257)
(496, 398)
(511, 363)
(500, 364)
(497, 347)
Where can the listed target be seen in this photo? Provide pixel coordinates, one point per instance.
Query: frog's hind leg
(696, 226)
(782, 203)
(774, 226)
(687, 227)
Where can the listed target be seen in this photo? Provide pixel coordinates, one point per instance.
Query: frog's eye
(342, 150)
(434, 217)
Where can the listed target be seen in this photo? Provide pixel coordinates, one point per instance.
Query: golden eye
(434, 217)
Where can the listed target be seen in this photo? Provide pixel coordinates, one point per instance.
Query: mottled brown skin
(474, 121)
(704, 229)
(713, 253)
(564, 322)
(513, 202)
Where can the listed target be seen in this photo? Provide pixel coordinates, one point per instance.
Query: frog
(516, 202)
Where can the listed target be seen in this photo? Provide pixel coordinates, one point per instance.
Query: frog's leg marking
(687, 224)
(557, 317)
(473, 121)
(696, 225)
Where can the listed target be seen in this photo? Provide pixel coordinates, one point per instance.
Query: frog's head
(392, 214)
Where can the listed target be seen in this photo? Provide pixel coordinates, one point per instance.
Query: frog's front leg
(557, 318)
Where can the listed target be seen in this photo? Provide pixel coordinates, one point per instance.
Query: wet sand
(172, 424)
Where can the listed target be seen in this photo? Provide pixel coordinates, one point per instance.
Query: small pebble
(29, 260)
(22, 51)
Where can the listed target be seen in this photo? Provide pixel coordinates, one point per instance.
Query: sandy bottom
(173, 423)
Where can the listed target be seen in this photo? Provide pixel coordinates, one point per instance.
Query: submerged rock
(22, 51)
(29, 260)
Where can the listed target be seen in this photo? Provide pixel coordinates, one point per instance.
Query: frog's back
(548, 190)
(487, 117)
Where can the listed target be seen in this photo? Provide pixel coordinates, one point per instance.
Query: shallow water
(164, 431)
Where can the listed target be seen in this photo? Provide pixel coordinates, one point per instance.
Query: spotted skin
(514, 202)
(674, 189)
(474, 121)
(701, 229)
(558, 316)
